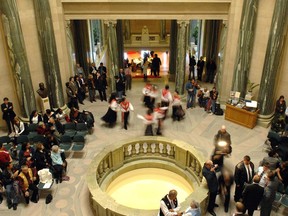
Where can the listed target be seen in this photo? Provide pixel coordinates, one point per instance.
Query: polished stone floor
(198, 129)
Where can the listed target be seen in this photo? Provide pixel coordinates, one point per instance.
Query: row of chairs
(281, 197)
(66, 141)
(70, 129)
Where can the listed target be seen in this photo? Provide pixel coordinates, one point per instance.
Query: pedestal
(45, 104)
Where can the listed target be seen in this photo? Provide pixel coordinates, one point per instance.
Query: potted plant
(250, 87)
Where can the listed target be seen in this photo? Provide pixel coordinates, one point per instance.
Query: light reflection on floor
(144, 188)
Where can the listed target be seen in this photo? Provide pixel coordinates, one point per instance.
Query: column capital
(183, 23)
(110, 22)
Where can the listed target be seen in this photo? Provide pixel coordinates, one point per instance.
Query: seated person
(51, 140)
(273, 160)
(9, 175)
(58, 163)
(61, 116)
(27, 181)
(4, 156)
(193, 210)
(20, 128)
(48, 115)
(35, 118)
(75, 115)
(25, 155)
(42, 129)
(40, 157)
(282, 173)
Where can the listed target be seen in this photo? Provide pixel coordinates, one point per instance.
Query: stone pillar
(120, 44)
(271, 68)
(222, 45)
(127, 30)
(17, 56)
(82, 47)
(173, 50)
(245, 46)
(71, 48)
(211, 39)
(112, 52)
(162, 30)
(181, 55)
(49, 52)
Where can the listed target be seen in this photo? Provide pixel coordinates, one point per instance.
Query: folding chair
(70, 129)
(6, 141)
(40, 138)
(81, 129)
(32, 131)
(78, 143)
(65, 142)
(284, 201)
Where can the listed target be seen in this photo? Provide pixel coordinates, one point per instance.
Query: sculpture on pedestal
(42, 91)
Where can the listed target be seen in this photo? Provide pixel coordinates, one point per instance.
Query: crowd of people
(255, 188)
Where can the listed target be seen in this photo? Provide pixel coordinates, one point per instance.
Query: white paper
(252, 104)
(47, 185)
(237, 94)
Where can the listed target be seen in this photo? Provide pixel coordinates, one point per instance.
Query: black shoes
(212, 213)
(14, 206)
(226, 208)
(10, 205)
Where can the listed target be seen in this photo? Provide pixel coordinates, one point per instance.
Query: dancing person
(111, 115)
(125, 107)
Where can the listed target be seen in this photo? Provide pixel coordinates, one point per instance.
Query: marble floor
(198, 129)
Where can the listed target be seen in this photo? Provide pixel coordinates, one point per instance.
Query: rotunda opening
(143, 188)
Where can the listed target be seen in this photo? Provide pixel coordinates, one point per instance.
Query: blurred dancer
(111, 115)
(125, 107)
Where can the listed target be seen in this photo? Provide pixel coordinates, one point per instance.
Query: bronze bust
(42, 91)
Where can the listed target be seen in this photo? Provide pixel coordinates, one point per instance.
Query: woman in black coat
(40, 157)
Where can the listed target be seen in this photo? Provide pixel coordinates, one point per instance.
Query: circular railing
(131, 154)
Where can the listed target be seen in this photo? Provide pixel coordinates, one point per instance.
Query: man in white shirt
(169, 205)
(262, 172)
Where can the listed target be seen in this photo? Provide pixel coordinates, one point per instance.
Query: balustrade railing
(154, 150)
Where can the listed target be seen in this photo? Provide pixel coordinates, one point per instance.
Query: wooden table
(241, 116)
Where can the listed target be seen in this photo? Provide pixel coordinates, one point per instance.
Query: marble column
(81, 39)
(49, 52)
(274, 51)
(181, 55)
(245, 46)
(222, 45)
(173, 50)
(211, 39)
(162, 30)
(71, 48)
(112, 52)
(127, 30)
(120, 44)
(17, 56)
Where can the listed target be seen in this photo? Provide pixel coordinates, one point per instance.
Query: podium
(241, 116)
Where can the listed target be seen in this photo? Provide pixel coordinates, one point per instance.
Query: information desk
(241, 116)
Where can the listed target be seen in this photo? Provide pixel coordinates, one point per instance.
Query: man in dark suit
(208, 172)
(8, 113)
(244, 172)
(102, 69)
(252, 195)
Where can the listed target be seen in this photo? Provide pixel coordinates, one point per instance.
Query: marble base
(265, 120)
